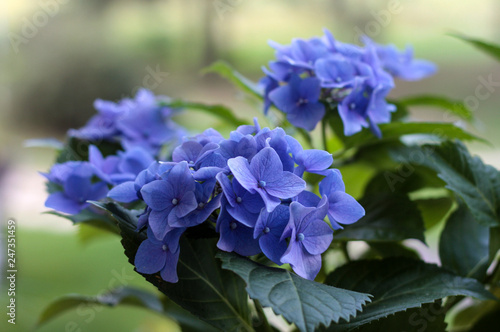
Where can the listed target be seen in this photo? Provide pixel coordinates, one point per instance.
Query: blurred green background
(57, 56)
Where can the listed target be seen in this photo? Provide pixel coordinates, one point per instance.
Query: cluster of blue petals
(251, 188)
(141, 126)
(139, 122)
(309, 77)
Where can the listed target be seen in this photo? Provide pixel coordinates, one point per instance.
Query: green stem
(323, 133)
(264, 326)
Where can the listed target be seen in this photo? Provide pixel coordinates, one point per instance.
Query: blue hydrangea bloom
(300, 101)
(319, 75)
(309, 236)
(76, 181)
(170, 199)
(139, 122)
(234, 236)
(269, 229)
(264, 175)
(342, 207)
(155, 255)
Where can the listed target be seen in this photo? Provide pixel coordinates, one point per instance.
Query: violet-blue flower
(265, 175)
(170, 199)
(310, 236)
(342, 207)
(234, 236)
(268, 231)
(155, 255)
(300, 101)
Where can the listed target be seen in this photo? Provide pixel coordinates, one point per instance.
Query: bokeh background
(57, 56)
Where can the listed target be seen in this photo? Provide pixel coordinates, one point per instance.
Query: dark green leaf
(389, 217)
(477, 184)
(391, 249)
(487, 47)
(398, 284)
(204, 288)
(219, 111)
(487, 322)
(455, 107)
(429, 318)
(464, 245)
(91, 218)
(119, 296)
(303, 302)
(225, 70)
(395, 130)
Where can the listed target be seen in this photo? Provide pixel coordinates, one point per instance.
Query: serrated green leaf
(119, 296)
(429, 318)
(456, 107)
(220, 111)
(306, 303)
(395, 130)
(487, 47)
(477, 184)
(464, 245)
(225, 70)
(388, 217)
(212, 294)
(398, 284)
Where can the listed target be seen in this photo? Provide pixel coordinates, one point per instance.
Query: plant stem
(264, 326)
(323, 133)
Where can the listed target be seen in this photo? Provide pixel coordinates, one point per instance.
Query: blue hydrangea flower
(170, 199)
(268, 231)
(234, 236)
(311, 77)
(342, 207)
(242, 205)
(139, 122)
(401, 64)
(309, 236)
(75, 180)
(155, 255)
(300, 101)
(264, 175)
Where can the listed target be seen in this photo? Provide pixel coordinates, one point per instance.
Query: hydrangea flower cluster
(310, 77)
(250, 187)
(140, 125)
(139, 122)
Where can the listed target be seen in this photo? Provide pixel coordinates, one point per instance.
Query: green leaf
(395, 130)
(477, 184)
(389, 217)
(204, 288)
(219, 111)
(464, 245)
(303, 302)
(456, 107)
(398, 284)
(91, 218)
(430, 318)
(487, 47)
(113, 298)
(487, 322)
(434, 210)
(390, 249)
(225, 70)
